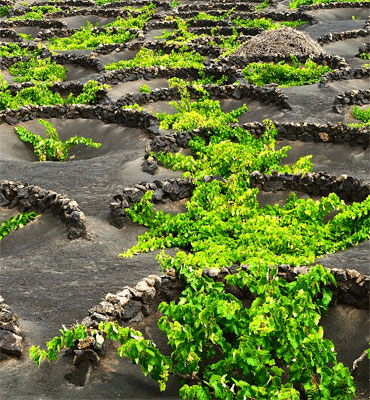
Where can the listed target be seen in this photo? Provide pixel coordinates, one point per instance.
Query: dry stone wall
(30, 197)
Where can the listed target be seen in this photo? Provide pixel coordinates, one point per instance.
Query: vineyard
(185, 199)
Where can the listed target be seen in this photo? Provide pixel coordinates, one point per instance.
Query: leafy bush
(38, 13)
(25, 36)
(38, 70)
(14, 50)
(4, 10)
(209, 17)
(284, 74)
(119, 31)
(221, 348)
(133, 107)
(89, 93)
(149, 58)
(265, 23)
(145, 89)
(52, 148)
(205, 113)
(181, 35)
(13, 223)
(133, 346)
(263, 4)
(274, 348)
(365, 56)
(361, 115)
(41, 94)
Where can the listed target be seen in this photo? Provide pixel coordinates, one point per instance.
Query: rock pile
(11, 342)
(284, 41)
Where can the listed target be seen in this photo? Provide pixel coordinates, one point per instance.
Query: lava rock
(11, 344)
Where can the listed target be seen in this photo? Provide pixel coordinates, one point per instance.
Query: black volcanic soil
(49, 280)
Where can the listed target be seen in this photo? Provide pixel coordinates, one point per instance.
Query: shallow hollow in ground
(112, 137)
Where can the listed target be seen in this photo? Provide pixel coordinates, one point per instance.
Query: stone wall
(107, 113)
(333, 5)
(268, 94)
(64, 88)
(364, 48)
(336, 36)
(239, 6)
(32, 22)
(131, 305)
(354, 97)
(169, 189)
(11, 341)
(80, 60)
(30, 197)
(314, 183)
(338, 133)
(11, 34)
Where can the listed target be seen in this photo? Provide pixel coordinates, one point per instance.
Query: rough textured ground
(49, 280)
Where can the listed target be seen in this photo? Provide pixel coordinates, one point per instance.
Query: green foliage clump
(38, 70)
(14, 50)
(264, 4)
(149, 58)
(205, 80)
(365, 56)
(228, 44)
(361, 115)
(52, 148)
(38, 13)
(296, 3)
(133, 107)
(265, 23)
(42, 94)
(25, 36)
(88, 95)
(145, 89)
(119, 31)
(13, 223)
(284, 74)
(133, 345)
(205, 113)
(4, 10)
(209, 17)
(181, 35)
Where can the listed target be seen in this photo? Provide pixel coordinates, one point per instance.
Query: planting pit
(335, 21)
(121, 89)
(348, 48)
(336, 159)
(116, 56)
(113, 138)
(50, 280)
(78, 21)
(77, 73)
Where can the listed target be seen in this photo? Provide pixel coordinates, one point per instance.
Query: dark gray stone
(11, 343)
